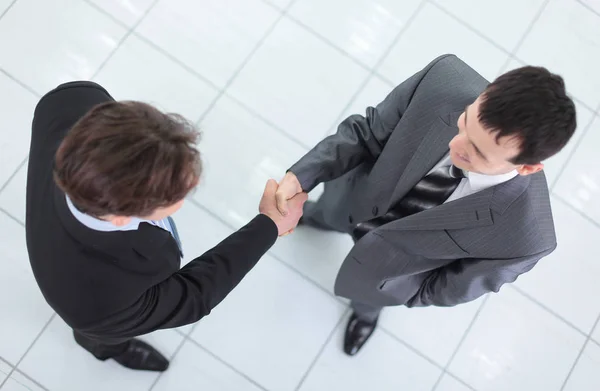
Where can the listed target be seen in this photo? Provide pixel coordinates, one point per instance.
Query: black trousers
(102, 349)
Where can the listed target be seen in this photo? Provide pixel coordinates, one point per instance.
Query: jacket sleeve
(192, 292)
(358, 137)
(466, 280)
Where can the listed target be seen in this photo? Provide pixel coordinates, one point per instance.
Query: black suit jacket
(123, 283)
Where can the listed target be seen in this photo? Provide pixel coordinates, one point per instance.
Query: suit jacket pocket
(428, 244)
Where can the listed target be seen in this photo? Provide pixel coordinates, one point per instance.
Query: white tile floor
(266, 80)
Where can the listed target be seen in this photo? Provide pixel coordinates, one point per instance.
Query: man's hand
(288, 188)
(268, 206)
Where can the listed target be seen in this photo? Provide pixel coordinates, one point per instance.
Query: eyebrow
(472, 143)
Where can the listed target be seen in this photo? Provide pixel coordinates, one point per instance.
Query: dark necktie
(433, 190)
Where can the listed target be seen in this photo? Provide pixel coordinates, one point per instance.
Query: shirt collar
(101, 225)
(480, 181)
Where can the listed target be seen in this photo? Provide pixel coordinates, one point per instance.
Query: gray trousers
(313, 217)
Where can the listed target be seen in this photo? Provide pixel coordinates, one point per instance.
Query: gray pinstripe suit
(444, 256)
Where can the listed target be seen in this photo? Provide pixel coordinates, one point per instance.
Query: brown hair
(127, 159)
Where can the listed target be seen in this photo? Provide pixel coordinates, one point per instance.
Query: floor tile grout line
(227, 364)
(175, 60)
(461, 381)
(220, 90)
(11, 177)
(511, 53)
(8, 9)
(284, 262)
(461, 341)
(15, 368)
(353, 99)
(411, 348)
(276, 7)
(30, 379)
(236, 73)
(7, 362)
(587, 340)
(566, 381)
(322, 349)
(192, 71)
(274, 256)
(180, 332)
(244, 62)
(515, 49)
(154, 45)
(107, 13)
(514, 57)
(123, 39)
(256, 114)
(171, 358)
(328, 42)
(373, 71)
(469, 27)
(504, 67)
(17, 169)
(394, 42)
(573, 151)
(585, 5)
(414, 349)
(532, 24)
(548, 309)
(10, 216)
(309, 280)
(574, 209)
(19, 82)
(581, 103)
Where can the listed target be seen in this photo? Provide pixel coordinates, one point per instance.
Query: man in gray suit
(441, 187)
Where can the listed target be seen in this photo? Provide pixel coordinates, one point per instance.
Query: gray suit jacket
(444, 256)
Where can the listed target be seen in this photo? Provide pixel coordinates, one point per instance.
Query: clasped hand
(283, 203)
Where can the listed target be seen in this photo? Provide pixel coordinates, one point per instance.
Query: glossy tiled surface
(267, 79)
(566, 38)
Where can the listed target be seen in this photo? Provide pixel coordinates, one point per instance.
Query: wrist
(272, 223)
(294, 178)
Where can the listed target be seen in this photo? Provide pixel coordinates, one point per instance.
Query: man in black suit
(104, 177)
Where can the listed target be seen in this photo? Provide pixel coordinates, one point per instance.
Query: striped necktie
(433, 190)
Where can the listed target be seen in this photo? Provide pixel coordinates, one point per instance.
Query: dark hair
(127, 159)
(531, 104)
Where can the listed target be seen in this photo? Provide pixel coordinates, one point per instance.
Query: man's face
(476, 149)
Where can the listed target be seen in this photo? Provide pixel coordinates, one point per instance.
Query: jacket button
(350, 219)
(375, 211)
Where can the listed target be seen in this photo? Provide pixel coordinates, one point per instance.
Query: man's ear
(528, 169)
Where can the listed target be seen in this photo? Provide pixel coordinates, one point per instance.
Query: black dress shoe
(141, 356)
(358, 332)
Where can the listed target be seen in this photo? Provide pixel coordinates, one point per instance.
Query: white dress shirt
(474, 182)
(106, 226)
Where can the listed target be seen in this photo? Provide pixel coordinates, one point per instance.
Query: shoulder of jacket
(70, 87)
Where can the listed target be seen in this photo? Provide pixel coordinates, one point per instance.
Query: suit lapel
(471, 211)
(431, 150)
(467, 212)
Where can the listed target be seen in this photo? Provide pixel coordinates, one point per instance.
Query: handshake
(283, 203)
